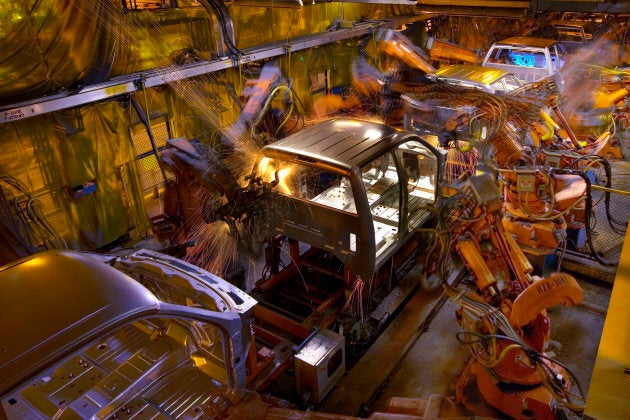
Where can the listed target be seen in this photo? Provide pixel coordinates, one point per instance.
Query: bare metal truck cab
(530, 59)
(573, 35)
(487, 79)
(356, 189)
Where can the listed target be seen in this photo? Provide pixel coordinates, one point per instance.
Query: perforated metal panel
(141, 141)
(152, 178)
(318, 82)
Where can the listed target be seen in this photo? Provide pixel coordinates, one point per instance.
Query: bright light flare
(283, 175)
(269, 169)
(373, 134)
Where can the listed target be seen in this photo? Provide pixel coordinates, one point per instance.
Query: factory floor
(419, 358)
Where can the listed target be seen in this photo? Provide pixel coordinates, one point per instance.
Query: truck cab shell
(356, 189)
(530, 59)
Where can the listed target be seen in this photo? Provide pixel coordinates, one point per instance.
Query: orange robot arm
(557, 289)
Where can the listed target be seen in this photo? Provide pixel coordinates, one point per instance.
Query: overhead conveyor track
(138, 81)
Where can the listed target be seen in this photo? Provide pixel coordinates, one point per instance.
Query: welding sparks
(215, 249)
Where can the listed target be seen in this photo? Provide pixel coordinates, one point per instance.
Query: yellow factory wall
(147, 39)
(51, 154)
(51, 46)
(58, 157)
(256, 23)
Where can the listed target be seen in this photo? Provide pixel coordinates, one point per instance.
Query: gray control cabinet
(319, 365)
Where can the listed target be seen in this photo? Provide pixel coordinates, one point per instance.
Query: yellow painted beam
(609, 392)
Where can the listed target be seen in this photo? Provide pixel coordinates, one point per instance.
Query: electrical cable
(28, 224)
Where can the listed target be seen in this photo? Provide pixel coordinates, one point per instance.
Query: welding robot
(489, 221)
(504, 316)
(549, 182)
(548, 188)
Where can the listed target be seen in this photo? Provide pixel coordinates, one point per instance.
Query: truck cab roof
(527, 41)
(488, 79)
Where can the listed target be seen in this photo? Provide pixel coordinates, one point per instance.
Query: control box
(319, 365)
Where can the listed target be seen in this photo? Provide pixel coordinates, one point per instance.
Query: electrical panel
(319, 365)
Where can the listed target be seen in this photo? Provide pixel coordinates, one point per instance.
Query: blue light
(521, 59)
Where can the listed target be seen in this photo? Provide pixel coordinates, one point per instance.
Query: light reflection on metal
(373, 134)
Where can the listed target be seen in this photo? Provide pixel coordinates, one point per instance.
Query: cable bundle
(23, 219)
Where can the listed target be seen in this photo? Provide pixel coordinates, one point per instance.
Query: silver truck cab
(83, 339)
(530, 59)
(356, 189)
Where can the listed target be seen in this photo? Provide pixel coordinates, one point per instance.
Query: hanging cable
(26, 220)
